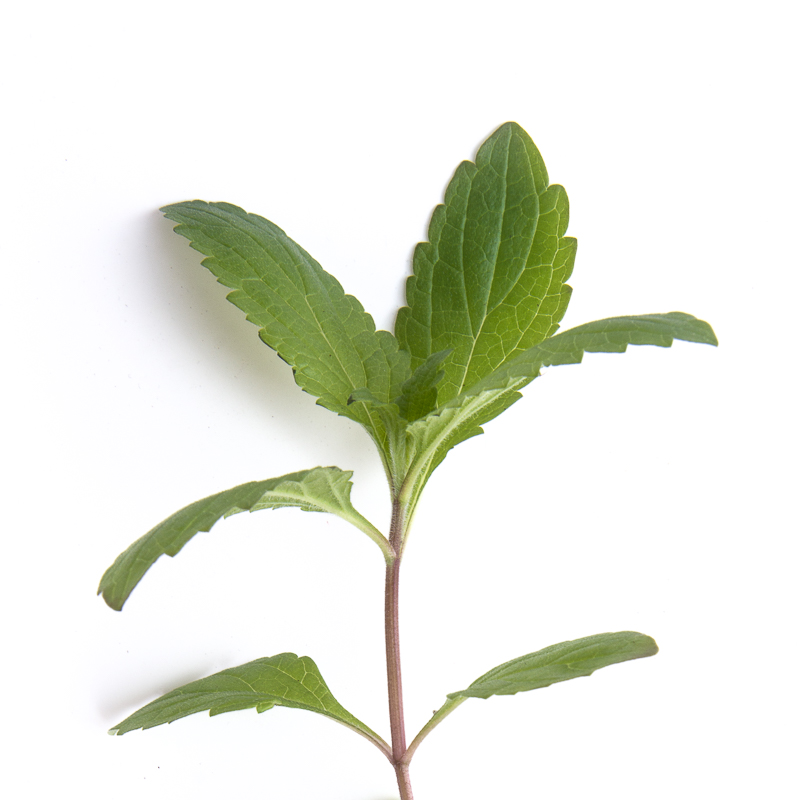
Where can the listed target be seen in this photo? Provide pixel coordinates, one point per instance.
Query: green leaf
(490, 282)
(283, 680)
(324, 489)
(393, 443)
(419, 391)
(432, 437)
(301, 310)
(559, 662)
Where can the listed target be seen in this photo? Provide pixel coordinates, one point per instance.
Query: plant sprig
(485, 300)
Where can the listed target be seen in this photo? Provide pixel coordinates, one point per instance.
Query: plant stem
(394, 678)
(401, 770)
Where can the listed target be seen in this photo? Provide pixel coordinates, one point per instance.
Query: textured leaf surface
(320, 489)
(490, 282)
(393, 444)
(419, 391)
(560, 662)
(431, 437)
(301, 310)
(282, 680)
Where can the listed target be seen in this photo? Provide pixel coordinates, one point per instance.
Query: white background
(655, 491)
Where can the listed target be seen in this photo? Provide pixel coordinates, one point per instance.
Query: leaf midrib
(510, 289)
(290, 257)
(221, 223)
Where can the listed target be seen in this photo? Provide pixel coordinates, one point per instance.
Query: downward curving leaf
(431, 437)
(302, 311)
(490, 282)
(559, 662)
(320, 489)
(283, 680)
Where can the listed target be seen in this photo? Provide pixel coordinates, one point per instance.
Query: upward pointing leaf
(282, 680)
(490, 283)
(419, 391)
(431, 437)
(302, 311)
(560, 662)
(319, 489)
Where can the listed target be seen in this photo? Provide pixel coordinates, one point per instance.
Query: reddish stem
(394, 677)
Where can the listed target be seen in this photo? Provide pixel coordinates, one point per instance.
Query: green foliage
(282, 680)
(490, 282)
(430, 439)
(484, 303)
(320, 489)
(302, 311)
(560, 662)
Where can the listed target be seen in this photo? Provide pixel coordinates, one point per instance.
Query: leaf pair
(295, 682)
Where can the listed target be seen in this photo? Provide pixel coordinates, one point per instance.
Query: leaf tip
(114, 732)
(512, 126)
(112, 603)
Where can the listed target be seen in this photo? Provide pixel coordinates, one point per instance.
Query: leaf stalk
(449, 706)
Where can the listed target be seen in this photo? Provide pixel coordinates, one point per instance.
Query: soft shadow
(128, 698)
(219, 335)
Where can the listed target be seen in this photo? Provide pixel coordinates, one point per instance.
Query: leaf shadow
(215, 334)
(129, 697)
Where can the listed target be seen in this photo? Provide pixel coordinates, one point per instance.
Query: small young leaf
(431, 437)
(560, 662)
(282, 680)
(302, 311)
(419, 391)
(490, 282)
(324, 489)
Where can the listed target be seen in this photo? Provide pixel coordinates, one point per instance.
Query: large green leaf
(282, 680)
(559, 662)
(490, 282)
(430, 438)
(320, 489)
(301, 310)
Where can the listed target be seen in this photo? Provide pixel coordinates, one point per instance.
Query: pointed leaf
(283, 680)
(320, 489)
(490, 282)
(420, 390)
(302, 311)
(560, 662)
(431, 437)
